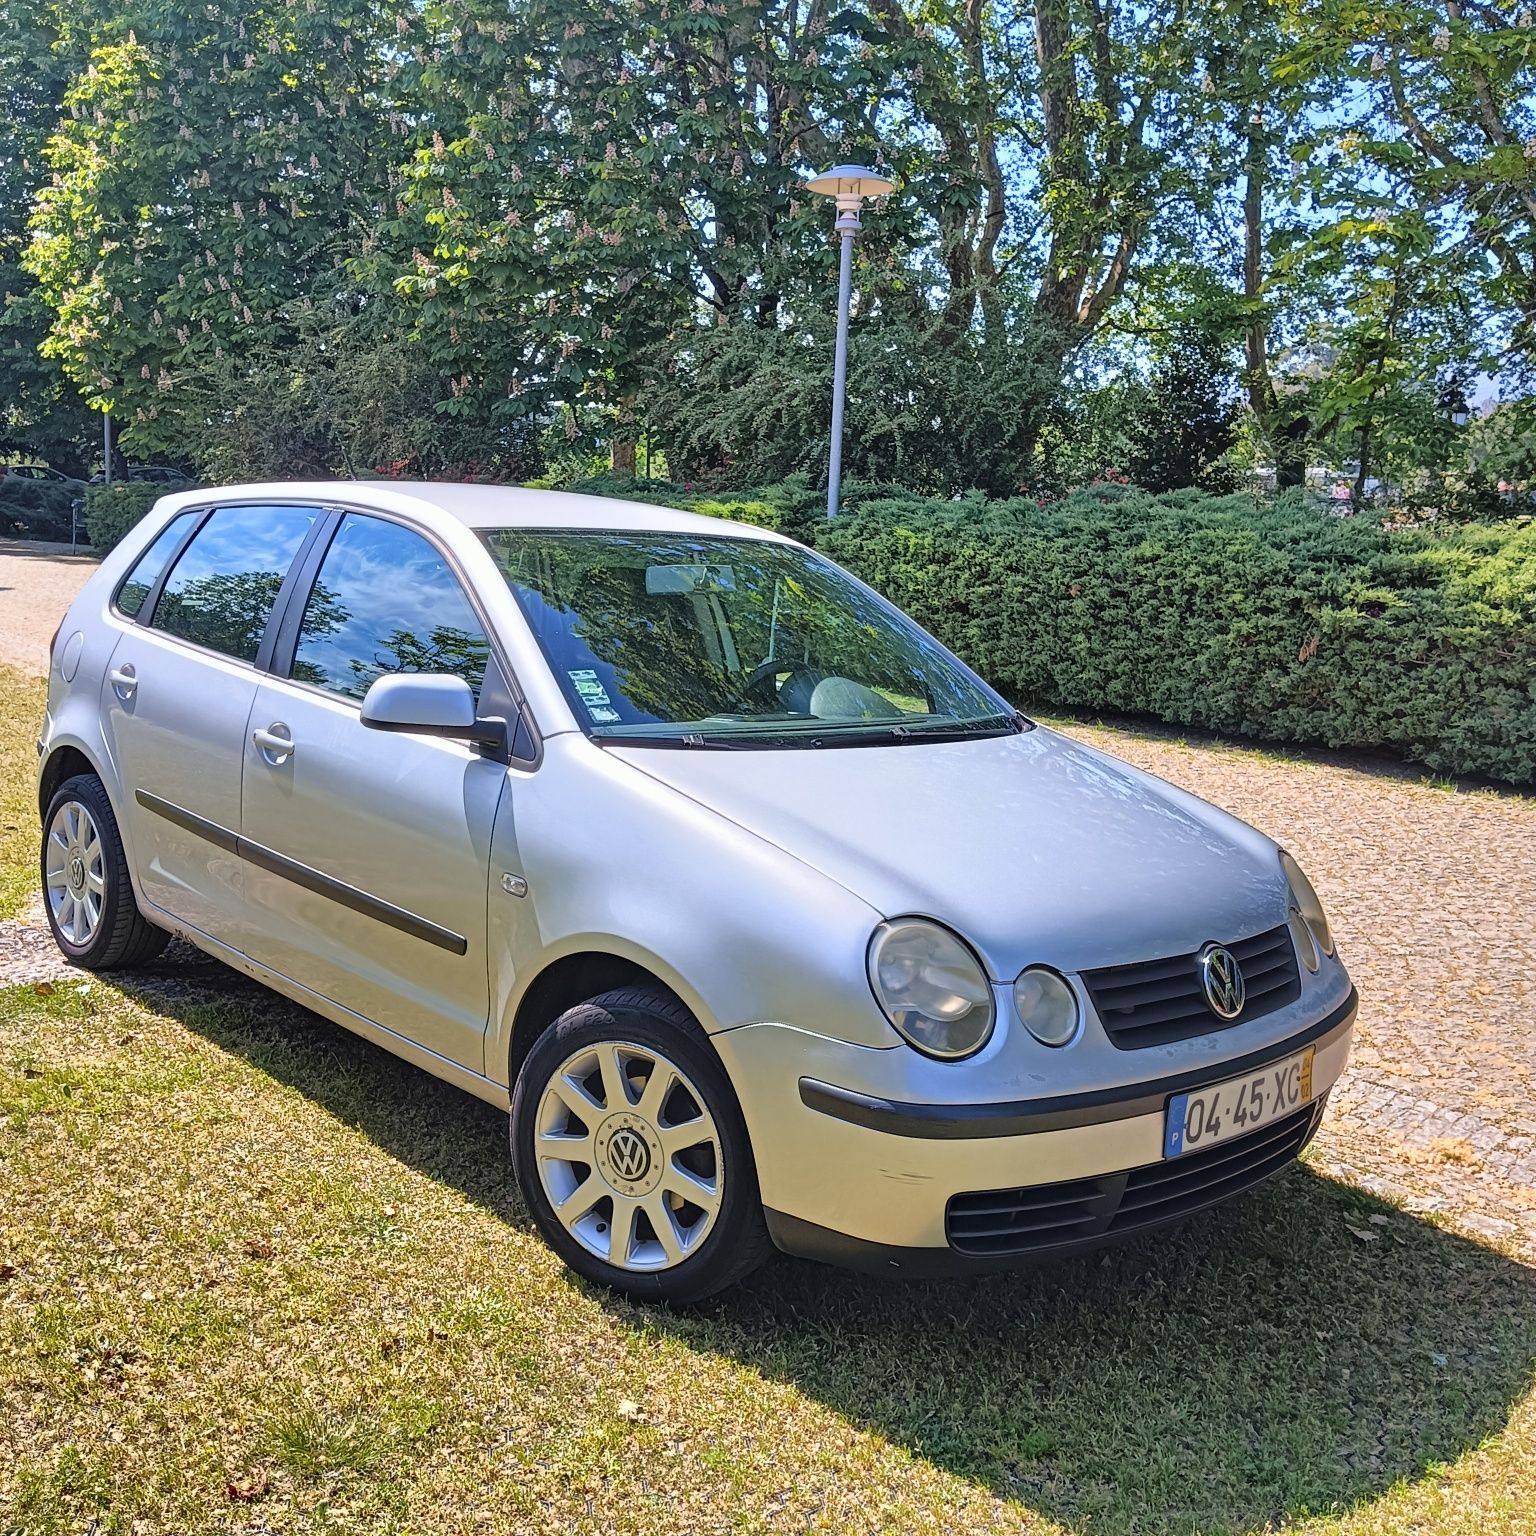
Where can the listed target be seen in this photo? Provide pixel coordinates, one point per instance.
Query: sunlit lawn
(259, 1276)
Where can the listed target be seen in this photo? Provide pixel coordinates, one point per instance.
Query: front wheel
(631, 1152)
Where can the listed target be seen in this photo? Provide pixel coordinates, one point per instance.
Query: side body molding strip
(311, 879)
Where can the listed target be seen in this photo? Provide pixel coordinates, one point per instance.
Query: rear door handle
(275, 743)
(124, 680)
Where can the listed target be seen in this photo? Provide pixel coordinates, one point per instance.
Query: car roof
(481, 506)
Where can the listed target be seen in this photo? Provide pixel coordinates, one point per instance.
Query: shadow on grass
(1261, 1363)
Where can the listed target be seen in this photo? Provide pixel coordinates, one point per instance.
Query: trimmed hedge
(112, 510)
(1277, 622)
(37, 509)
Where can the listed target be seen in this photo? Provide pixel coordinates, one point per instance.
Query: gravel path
(37, 583)
(1432, 893)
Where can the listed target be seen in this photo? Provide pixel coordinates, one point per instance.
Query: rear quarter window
(150, 566)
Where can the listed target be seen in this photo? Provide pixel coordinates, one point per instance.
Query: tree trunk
(1364, 473)
(1287, 428)
(621, 457)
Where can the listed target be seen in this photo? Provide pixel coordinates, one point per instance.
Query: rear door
(178, 694)
(367, 853)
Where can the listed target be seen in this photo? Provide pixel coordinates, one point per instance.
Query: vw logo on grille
(1222, 978)
(629, 1155)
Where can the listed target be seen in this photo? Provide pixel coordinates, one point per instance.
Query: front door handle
(124, 680)
(275, 743)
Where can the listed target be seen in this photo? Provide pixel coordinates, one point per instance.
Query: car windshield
(676, 640)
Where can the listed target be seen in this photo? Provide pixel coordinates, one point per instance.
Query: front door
(367, 853)
(178, 694)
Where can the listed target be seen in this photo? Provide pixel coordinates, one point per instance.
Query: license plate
(1241, 1104)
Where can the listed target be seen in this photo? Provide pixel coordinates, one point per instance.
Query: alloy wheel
(629, 1156)
(75, 873)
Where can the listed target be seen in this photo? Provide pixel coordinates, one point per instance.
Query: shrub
(36, 509)
(111, 510)
(1274, 622)
(1186, 418)
(1277, 623)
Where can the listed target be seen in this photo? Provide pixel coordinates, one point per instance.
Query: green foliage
(37, 509)
(345, 398)
(208, 169)
(230, 222)
(1186, 419)
(111, 511)
(40, 415)
(1277, 623)
(747, 405)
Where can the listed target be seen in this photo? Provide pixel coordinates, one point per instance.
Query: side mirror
(431, 704)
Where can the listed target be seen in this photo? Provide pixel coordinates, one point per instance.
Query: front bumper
(868, 1181)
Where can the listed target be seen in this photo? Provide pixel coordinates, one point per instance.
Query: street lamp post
(849, 185)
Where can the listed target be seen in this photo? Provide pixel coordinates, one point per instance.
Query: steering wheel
(801, 678)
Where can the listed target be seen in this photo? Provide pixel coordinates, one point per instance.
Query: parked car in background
(36, 502)
(36, 473)
(765, 917)
(160, 474)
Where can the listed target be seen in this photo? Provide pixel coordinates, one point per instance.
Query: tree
(1188, 417)
(215, 168)
(40, 412)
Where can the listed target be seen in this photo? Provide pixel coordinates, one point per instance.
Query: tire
(87, 890)
(628, 1222)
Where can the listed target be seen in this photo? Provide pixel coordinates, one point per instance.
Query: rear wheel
(87, 892)
(631, 1151)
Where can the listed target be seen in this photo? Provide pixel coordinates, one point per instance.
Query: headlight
(931, 987)
(1306, 903)
(1047, 1006)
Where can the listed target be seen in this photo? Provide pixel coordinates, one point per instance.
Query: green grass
(21, 716)
(256, 1275)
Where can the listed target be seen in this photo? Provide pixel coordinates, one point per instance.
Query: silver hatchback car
(766, 918)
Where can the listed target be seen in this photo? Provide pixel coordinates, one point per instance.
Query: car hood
(1034, 847)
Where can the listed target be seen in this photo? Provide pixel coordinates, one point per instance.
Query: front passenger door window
(386, 600)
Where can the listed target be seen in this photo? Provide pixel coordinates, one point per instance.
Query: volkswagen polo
(765, 918)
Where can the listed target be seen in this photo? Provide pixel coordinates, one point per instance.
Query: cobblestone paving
(1432, 895)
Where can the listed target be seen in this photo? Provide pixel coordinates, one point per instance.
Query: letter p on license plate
(1241, 1104)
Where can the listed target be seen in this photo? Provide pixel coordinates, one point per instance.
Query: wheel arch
(574, 978)
(64, 761)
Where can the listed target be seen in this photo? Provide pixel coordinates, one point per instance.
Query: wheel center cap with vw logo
(1222, 979)
(629, 1155)
(77, 872)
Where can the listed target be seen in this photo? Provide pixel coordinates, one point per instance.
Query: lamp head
(850, 185)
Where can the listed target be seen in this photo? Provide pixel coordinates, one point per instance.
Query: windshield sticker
(602, 715)
(586, 684)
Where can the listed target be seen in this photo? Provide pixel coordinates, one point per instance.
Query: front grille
(1155, 1002)
(999, 1222)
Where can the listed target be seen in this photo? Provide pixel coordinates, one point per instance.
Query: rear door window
(221, 591)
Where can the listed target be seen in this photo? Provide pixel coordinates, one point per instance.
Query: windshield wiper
(820, 734)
